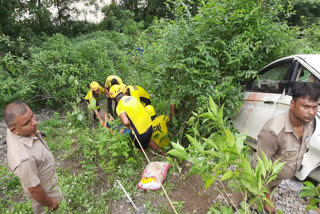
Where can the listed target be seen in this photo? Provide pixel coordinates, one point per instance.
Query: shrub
(209, 54)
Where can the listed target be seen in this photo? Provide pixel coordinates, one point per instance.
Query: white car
(270, 94)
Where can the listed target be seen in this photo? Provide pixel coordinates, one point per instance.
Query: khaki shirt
(278, 140)
(32, 161)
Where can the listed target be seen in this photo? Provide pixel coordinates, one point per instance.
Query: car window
(306, 76)
(269, 81)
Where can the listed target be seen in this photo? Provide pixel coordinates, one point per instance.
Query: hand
(110, 117)
(106, 118)
(172, 109)
(106, 92)
(103, 124)
(54, 204)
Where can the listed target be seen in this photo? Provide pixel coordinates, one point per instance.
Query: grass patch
(88, 164)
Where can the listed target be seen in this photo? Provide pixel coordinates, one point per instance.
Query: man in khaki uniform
(30, 158)
(287, 136)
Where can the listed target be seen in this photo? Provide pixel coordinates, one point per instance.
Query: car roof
(311, 61)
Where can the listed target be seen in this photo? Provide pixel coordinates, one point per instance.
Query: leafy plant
(223, 158)
(209, 54)
(8, 180)
(119, 19)
(220, 209)
(312, 191)
(10, 188)
(114, 144)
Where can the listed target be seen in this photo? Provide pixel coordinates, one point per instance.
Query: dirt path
(188, 195)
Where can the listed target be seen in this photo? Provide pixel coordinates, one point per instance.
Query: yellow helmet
(112, 80)
(150, 110)
(115, 90)
(94, 86)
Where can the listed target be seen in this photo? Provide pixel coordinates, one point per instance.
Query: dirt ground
(187, 194)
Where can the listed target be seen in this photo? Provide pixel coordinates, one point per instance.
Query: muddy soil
(188, 196)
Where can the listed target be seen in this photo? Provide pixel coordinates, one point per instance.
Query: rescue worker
(110, 81)
(159, 126)
(286, 136)
(94, 95)
(133, 115)
(139, 93)
(30, 158)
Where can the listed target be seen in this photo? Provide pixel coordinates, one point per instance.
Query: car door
(262, 97)
(311, 159)
(297, 72)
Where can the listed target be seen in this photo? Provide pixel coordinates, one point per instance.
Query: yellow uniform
(108, 85)
(140, 94)
(138, 116)
(110, 78)
(90, 95)
(160, 130)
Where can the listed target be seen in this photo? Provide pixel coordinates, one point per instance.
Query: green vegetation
(222, 159)
(313, 193)
(182, 52)
(90, 161)
(60, 70)
(183, 61)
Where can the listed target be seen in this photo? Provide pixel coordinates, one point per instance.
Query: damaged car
(270, 94)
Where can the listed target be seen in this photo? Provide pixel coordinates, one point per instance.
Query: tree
(64, 10)
(306, 12)
(24, 18)
(146, 10)
(119, 19)
(7, 16)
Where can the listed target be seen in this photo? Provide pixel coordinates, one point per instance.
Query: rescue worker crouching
(110, 81)
(139, 93)
(133, 115)
(159, 125)
(94, 96)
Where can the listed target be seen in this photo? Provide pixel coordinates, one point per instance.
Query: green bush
(309, 41)
(60, 70)
(313, 192)
(227, 41)
(119, 20)
(15, 81)
(221, 159)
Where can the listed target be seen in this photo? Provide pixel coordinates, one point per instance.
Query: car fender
(311, 159)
